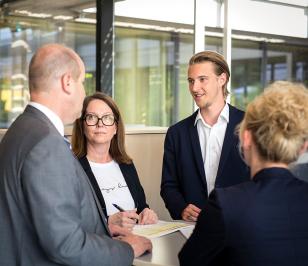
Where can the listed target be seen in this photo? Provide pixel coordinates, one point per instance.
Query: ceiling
(292, 3)
(303, 3)
(54, 8)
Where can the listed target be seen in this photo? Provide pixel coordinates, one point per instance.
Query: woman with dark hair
(98, 141)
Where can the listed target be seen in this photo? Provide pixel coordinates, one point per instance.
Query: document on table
(159, 229)
(187, 231)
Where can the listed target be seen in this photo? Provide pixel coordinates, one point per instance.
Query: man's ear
(222, 79)
(66, 83)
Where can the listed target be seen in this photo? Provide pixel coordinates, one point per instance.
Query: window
(152, 47)
(150, 76)
(25, 26)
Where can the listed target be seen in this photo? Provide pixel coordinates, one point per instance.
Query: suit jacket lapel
(129, 182)
(87, 168)
(195, 143)
(228, 142)
(94, 186)
(99, 207)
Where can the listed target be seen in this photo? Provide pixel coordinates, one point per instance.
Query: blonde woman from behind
(263, 221)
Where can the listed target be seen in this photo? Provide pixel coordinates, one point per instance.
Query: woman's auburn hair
(278, 121)
(117, 146)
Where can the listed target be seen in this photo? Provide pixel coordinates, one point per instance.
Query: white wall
(146, 148)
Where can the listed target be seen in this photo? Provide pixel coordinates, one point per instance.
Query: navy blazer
(256, 223)
(132, 180)
(183, 177)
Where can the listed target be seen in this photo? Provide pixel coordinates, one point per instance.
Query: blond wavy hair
(278, 121)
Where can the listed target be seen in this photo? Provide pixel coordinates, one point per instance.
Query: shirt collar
(224, 114)
(53, 117)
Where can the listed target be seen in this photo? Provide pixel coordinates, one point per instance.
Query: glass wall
(255, 64)
(151, 70)
(21, 33)
(152, 46)
(151, 85)
(150, 76)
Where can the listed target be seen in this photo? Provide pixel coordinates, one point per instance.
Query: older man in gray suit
(49, 214)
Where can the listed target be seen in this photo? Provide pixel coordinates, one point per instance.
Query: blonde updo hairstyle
(278, 121)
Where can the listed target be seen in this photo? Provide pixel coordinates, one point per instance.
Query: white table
(165, 251)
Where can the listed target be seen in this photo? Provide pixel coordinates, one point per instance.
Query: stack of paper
(159, 229)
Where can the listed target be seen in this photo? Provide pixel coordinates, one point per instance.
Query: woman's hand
(148, 216)
(125, 219)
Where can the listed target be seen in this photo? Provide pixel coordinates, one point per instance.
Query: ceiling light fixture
(89, 10)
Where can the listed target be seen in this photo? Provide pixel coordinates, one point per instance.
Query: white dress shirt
(211, 141)
(54, 118)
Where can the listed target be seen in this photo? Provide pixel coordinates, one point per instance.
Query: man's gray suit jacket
(48, 213)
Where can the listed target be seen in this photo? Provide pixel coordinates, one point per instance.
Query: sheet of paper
(159, 229)
(187, 231)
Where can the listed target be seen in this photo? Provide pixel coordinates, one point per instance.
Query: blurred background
(137, 50)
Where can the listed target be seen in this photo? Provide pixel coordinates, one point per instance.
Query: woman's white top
(113, 186)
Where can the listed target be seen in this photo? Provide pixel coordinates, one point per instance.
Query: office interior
(137, 51)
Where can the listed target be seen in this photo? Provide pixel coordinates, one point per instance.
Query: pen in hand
(118, 207)
(122, 210)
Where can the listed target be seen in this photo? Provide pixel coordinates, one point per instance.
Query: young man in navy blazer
(201, 151)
